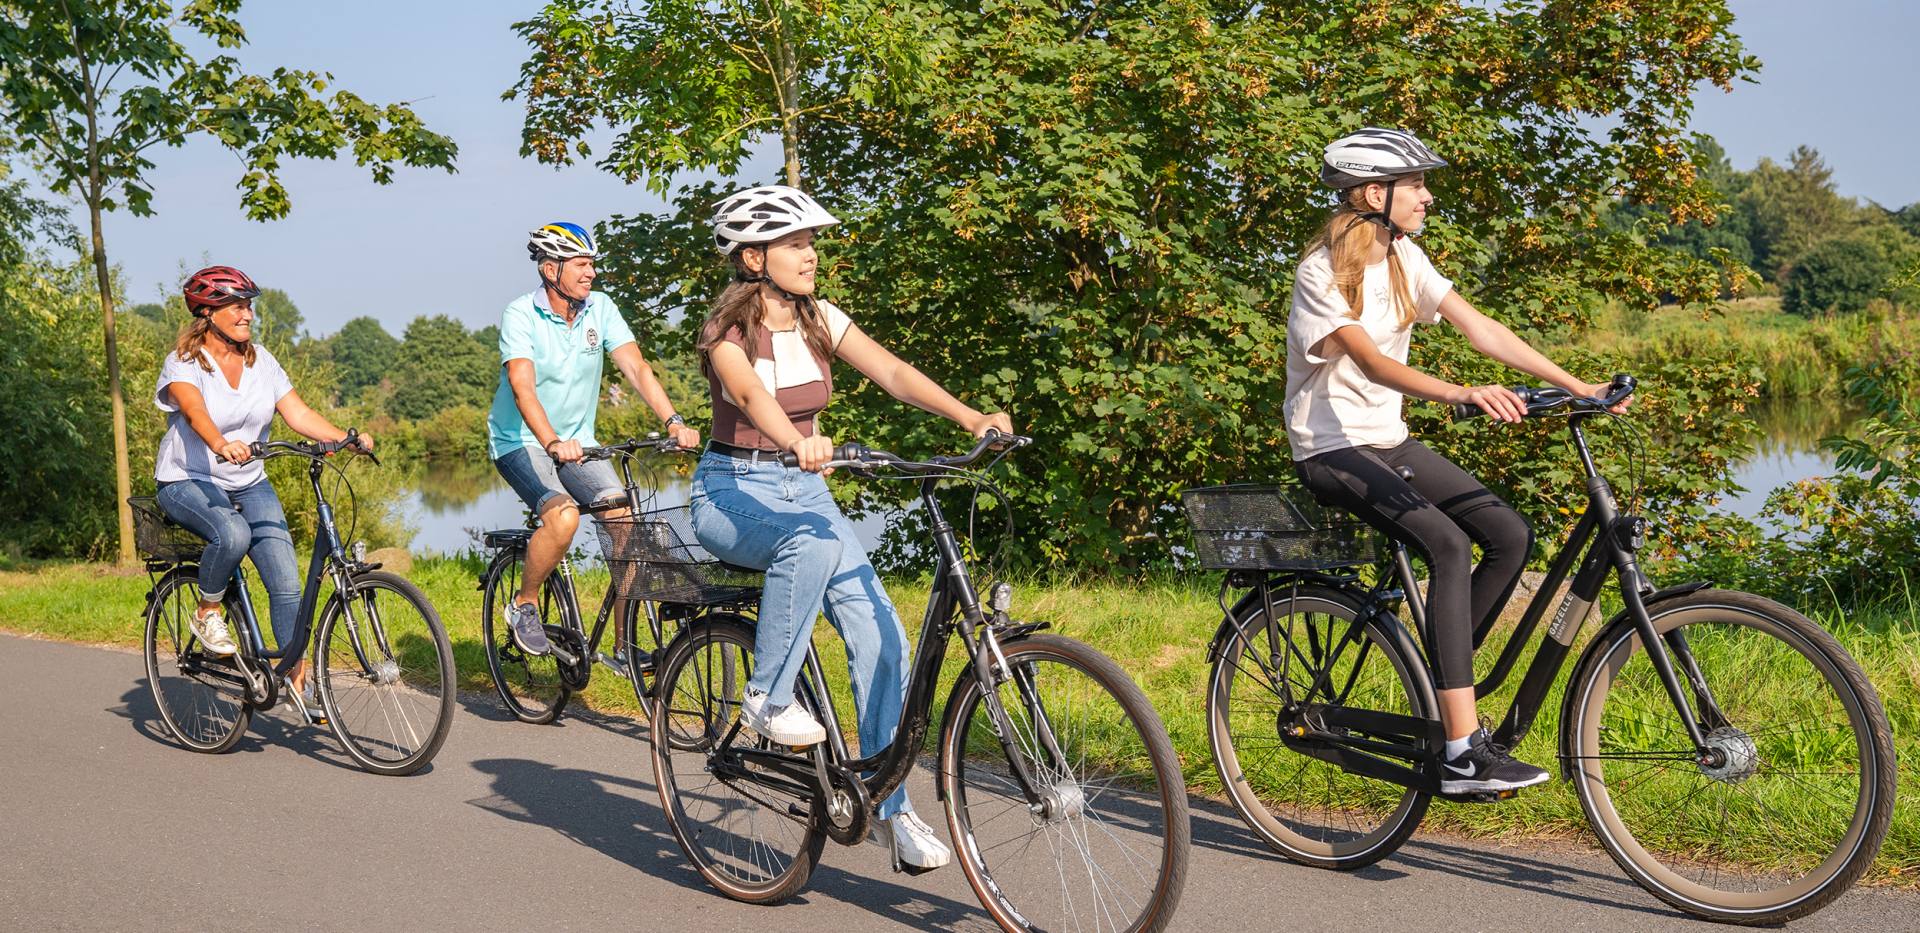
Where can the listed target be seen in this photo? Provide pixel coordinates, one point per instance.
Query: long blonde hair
(739, 305)
(1349, 241)
(194, 336)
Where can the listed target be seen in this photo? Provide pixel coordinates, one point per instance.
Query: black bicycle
(1692, 713)
(1063, 795)
(656, 587)
(382, 667)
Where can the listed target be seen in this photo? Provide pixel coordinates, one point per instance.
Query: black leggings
(1441, 515)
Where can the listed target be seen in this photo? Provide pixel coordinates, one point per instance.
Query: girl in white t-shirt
(1359, 290)
(220, 391)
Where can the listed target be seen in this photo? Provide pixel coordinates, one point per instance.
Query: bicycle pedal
(1482, 796)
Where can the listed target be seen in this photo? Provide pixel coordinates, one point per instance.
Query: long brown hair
(194, 336)
(739, 305)
(1349, 240)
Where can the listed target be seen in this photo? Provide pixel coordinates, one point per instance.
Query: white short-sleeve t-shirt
(240, 413)
(1330, 403)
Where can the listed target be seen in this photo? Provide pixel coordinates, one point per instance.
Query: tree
(440, 366)
(363, 354)
(1791, 208)
(1090, 214)
(88, 86)
(279, 320)
(1840, 275)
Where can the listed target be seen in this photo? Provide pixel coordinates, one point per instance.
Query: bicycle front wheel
(202, 698)
(1307, 808)
(1795, 798)
(752, 834)
(386, 674)
(529, 685)
(1105, 846)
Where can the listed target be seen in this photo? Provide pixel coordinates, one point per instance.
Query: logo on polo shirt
(593, 339)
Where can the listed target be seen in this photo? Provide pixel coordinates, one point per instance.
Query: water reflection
(1787, 448)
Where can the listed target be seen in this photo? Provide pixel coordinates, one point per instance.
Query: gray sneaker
(523, 620)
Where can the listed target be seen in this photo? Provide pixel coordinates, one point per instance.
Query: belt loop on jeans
(749, 454)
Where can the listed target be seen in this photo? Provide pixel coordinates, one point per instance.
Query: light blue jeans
(784, 521)
(242, 523)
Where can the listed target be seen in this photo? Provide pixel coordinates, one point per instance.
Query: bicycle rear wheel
(1797, 800)
(1308, 809)
(386, 674)
(529, 685)
(201, 697)
(751, 841)
(1107, 847)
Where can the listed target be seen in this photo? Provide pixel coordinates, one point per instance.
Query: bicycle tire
(1307, 809)
(387, 683)
(740, 855)
(1819, 787)
(529, 687)
(1120, 801)
(202, 714)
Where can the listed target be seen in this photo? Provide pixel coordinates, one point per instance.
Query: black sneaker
(1486, 767)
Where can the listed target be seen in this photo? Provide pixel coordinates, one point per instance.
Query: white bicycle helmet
(764, 214)
(1375, 154)
(560, 241)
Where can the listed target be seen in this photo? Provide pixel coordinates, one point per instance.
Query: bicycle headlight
(1000, 597)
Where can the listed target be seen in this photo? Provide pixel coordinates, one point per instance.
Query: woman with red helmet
(220, 391)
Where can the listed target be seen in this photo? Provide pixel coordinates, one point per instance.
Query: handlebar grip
(848, 451)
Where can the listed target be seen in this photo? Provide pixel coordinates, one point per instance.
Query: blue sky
(433, 243)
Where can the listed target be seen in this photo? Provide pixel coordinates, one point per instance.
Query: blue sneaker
(523, 621)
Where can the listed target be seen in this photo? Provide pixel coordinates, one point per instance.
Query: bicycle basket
(1274, 527)
(158, 538)
(654, 556)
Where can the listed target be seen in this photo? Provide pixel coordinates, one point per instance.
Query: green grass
(1157, 630)
(1795, 357)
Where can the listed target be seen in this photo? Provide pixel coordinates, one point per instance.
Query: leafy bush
(1840, 275)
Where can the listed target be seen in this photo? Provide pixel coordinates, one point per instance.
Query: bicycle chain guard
(574, 674)
(844, 811)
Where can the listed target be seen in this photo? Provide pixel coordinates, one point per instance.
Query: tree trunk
(787, 85)
(122, 480)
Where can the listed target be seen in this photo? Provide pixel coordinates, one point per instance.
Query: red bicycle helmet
(217, 287)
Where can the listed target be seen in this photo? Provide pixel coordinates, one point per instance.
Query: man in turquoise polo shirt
(553, 341)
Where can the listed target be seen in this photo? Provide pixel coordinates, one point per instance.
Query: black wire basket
(654, 556)
(159, 538)
(1274, 527)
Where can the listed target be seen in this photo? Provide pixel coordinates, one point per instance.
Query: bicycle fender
(1009, 635)
(1591, 655)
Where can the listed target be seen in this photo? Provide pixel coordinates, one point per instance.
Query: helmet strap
(741, 274)
(1384, 216)
(552, 285)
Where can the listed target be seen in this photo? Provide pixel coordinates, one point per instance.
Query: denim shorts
(538, 479)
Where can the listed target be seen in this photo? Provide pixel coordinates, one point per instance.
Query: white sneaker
(788, 725)
(211, 628)
(916, 848)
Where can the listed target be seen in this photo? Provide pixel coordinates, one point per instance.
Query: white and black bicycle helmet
(560, 241)
(1375, 154)
(764, 214)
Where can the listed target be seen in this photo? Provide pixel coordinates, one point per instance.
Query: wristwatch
(676, 420)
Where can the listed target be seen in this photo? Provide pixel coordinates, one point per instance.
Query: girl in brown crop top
(767, 350)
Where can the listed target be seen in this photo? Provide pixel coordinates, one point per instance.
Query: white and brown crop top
(800, 381)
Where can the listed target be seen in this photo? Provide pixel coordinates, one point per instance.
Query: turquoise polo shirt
(567, 363)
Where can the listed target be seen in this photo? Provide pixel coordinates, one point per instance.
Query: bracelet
(675, 420)
(548, 446)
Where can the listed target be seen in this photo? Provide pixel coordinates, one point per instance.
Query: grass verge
(1157, 631)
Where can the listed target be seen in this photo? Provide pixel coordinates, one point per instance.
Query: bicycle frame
(953, 605)
(1609, 540)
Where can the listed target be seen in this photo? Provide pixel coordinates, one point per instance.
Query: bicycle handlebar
(1541, 400)
(861, 457)
(655, 442)
(312, 450)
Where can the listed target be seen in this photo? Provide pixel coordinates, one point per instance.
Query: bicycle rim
(1107, 848)
(201, 708)
(386, 675)
(752, 843)
(1799, 805)
(1309, 809)
(529, 686)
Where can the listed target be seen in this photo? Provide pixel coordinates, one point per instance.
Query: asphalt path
(108, 825)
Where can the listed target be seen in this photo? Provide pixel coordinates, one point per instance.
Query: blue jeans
(236, 524)
(784, 521)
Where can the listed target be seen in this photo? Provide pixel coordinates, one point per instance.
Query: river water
(451, 504)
